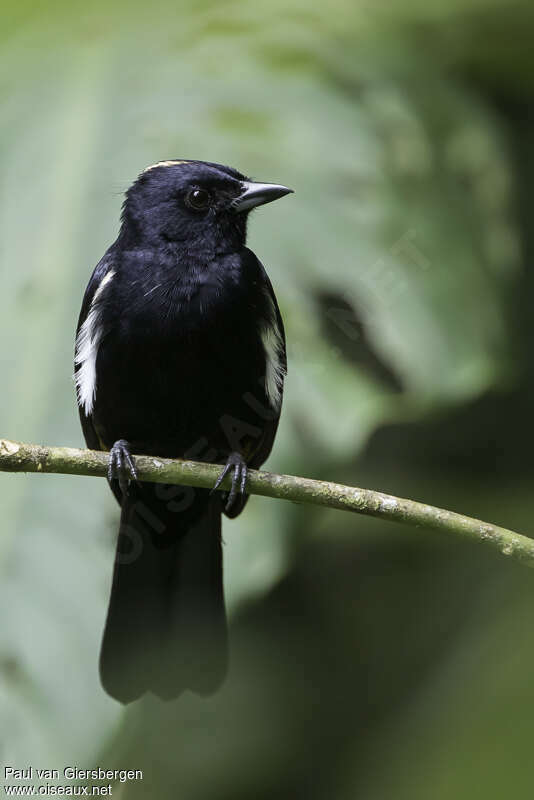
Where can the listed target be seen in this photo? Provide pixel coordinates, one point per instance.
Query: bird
(180, 352)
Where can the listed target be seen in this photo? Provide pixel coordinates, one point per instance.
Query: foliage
(398, 264)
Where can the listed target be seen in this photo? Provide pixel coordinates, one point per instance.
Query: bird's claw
(237, 464)
(121, 466)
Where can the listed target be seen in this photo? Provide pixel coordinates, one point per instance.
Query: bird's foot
(121, 466)
(235, 463)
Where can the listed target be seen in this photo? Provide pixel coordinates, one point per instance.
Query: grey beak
(257, 194)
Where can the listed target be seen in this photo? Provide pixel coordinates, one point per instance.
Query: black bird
(180, 352)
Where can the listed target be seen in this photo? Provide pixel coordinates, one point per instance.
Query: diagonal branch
(18, 457)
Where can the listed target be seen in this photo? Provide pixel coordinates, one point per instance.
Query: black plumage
(180, 352)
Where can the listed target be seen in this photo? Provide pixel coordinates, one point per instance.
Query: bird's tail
(166, 625)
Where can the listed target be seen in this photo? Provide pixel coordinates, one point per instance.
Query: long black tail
(166, 625)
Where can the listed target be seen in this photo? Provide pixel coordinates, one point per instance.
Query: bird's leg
(121, 466)
(235, 463)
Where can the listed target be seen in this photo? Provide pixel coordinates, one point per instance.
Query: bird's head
(194, 203)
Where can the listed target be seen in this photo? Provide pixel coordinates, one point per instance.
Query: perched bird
(180, 352)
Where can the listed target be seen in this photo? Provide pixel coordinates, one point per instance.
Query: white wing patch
(274, 366)
(87, 343)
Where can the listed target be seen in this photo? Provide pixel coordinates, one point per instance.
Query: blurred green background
(368, 660)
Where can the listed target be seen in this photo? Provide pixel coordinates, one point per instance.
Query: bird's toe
(121, 466)
(237, 466)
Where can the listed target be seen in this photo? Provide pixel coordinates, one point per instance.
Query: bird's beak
(257, 194)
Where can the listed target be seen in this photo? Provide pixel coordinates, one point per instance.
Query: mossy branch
(18, 457)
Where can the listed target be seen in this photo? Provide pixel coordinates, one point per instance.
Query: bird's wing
(102, 269)
(271, 331)
(276, 369)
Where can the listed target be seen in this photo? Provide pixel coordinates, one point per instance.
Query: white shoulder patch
(274, 367)
(87, 343)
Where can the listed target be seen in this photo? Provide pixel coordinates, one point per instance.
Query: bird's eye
(198, 199)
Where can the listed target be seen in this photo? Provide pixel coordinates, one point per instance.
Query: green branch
(17, 457)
